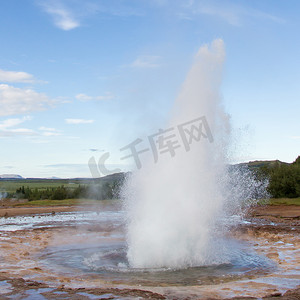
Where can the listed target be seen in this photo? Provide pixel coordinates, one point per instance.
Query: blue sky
(81, 78)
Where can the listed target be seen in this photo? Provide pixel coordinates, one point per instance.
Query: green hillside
(58, 189)
(284, 178)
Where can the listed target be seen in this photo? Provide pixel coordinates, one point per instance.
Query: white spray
(173, 206)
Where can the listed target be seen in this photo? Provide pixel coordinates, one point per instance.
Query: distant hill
(10, 176)
(263, 163)
(108, 178)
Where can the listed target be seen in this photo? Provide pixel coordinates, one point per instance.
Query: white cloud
(21, 101)
(146, 61)
(6, 127)
(78, 121)
(226, 13)
(13, 76)
(47, 128)
(47, 131)
(62, 16)
(13, 122)
(232, 13)
(68, 15)
(84, 97)
(23, 131)
(262, 15)
(50, 133)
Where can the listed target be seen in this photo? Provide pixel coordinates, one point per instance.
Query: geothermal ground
(68, 253)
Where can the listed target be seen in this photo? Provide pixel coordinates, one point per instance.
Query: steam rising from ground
(2, 195)
(174, 207)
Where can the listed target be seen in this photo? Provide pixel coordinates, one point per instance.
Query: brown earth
(287, 216)
(277, 211)
(22, 211)
(284, 225)
(270, 212)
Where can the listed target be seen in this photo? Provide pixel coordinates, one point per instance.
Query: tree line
(99, 191)
(284, 179)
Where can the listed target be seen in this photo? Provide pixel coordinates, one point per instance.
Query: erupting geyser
(174, 206)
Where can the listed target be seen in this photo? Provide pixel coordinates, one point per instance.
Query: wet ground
(81, 255)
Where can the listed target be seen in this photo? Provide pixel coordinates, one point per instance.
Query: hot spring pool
(106, 257)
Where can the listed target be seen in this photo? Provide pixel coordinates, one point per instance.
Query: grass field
(284, 201)
(10, 186)
(65, 202)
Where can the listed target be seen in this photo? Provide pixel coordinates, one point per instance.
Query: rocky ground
(273, 231)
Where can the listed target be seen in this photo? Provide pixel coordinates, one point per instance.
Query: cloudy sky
(82, 78)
